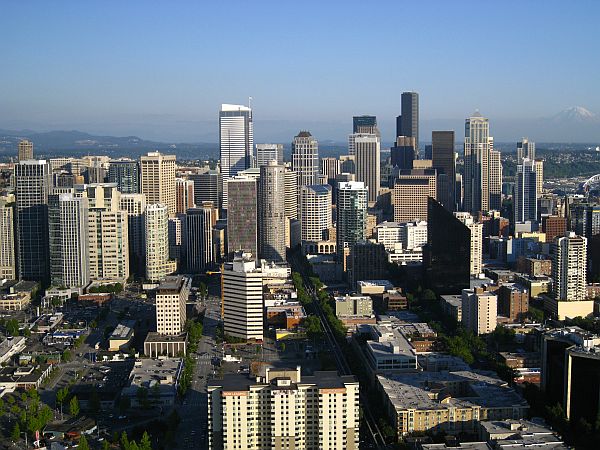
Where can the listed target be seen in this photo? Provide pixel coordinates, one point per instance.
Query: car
(122, 417)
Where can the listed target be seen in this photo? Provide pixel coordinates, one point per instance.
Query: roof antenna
(250, 102)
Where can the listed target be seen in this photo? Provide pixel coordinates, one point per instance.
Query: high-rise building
(33, 180)
(135, 206)
(242, 216)
(585, 219)
(157, 242)
(479, 310)
(171, 296)
(176, 224)
(351, 211)
(271, 212)
(318, 411)
(476, 241)
(403, 153)
(198, 237)
(236, 137)
(207, 187)
(407, 124)
(243, 298)
(126, 173)
(495, 180)
(330, 167)
(269, 152)
(476, 179)
(410, 194)
(525, 192)
(369, 262)
(8, 262)
(68, 240)
(365, 124)
(108, 237)
(25, 150)
(569, 268)
(305, 159)
(513, 301)
(315, 212)
(184, 195)
(525, 150)
(444, 162)
(158, 180)
(291, 194)
(368, 163)
(554, 226)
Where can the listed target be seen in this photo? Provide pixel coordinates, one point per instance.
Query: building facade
(271, 212)
(242, 216)
(157, 242)
(158, 180)
(305, 159)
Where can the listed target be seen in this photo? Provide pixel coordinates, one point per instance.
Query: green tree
(74, 406)
(83, 443)
(145, 443)
(105, 445)
(203, 290)
(67, 356)
(15, 434)
(12, 327)
(61, 396)
(428, 295)
(124, 441)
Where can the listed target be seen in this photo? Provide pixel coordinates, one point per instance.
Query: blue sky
(161, 69)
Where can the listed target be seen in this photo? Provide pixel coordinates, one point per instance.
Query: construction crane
(220, 272)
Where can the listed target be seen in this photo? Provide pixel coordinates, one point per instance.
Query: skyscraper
(207, 187)
(525, 192)
(305, 159)
(242, 216)
(68, 240)
(126, 173)
(352, 199)
(411, 190)
(569, 268)
(184, 195)
(236, 137)
(315, 212)
(476, 179)
(444, 162)
(8, 263)
(25, 150)
(368, 163)
(330, 167)
(33, 180)
(158, 180)
(197, 238)
(271, 212)
(157, 242)
(135, 206)
(171, 296)
(407, 123)
(268, 152)
(403, 153)
(495, 180)
(525, 149)
(365, 124)
(475, 241)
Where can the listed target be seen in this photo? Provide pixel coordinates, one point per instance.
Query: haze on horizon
(161, 70)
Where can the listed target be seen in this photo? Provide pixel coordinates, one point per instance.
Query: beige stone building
(157, 179)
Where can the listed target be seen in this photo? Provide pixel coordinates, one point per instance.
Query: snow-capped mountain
(576, 114)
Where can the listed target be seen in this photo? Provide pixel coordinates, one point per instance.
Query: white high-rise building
(236, 137)
(68, 240)
(525, 150)
(479, 310)
(269, 152)
(368, 162)
(525, 192)
(284, 410)
(157, 242)
(569, 268)
(476, 241)
(8, 269)
(305, 159)
(171, 297)
(157, 179)
(315, 212)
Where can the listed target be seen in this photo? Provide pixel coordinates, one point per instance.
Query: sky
(161, 69)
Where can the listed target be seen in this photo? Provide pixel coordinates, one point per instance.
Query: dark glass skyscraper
(407, 124)
(442, 156)
(126, 173)
(364, 124)
(403, 153)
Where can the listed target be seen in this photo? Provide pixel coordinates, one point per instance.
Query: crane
(220, 272)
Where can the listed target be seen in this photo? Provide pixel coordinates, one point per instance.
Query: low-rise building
(10, 347)
(394, 300)
(287, 316)
(159, 377)
(14, 302)
(513, 301)
(353, 305)
(121, 336)
(519, 434)
(24, 377)
(452, 306)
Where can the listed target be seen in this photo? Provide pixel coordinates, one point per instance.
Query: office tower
(368, 163)
(569, 267)
(585, 219)
(269, 152)
(525, 192)
(184, 195)
(315, 212)
(33, 180)
(291, 194)
(495, 180)
(108, 229)
(68, 240)
(305, 158)
(126, 173)
(171, 296)
(554, 226)
(25, 150)
(539, 174)
(407, 124)
(403, 153)
(513, 301)
(525, 150)
(365, 124)
(236, 137)
(243, 298)
(158, 180)
(176, 236)
(347, 164)
(369, 261)
(476, 241)
(478, 145)
(479, 310)
(330, 167)
(135, 206)
(444, 162)
(351, 211)
(318, 411)
(429, 151)
(157, 241)
(410, 194)
(242, 216)
(198, 238)
(207, 187)
(64, 180)
(448, 251)
(8, 263)
(271, 212)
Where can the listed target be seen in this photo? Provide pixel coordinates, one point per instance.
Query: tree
(67, 356)
(105, 445)
(83, 443)
(15, 434)
(428, 295)
(61, 396)
(145, 443)
(74, 406)
(12, 327)
(203, 290)
(124, 441)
